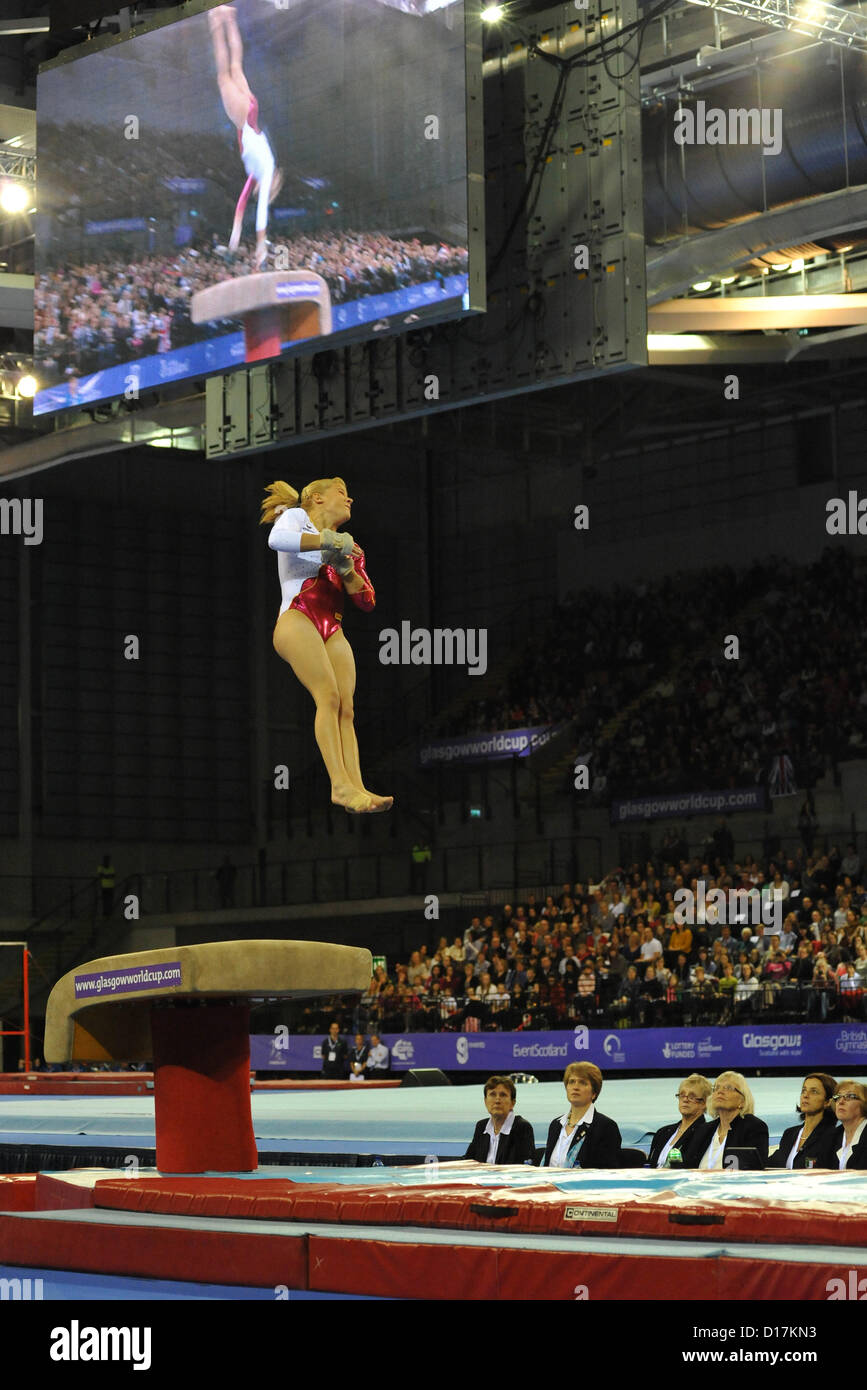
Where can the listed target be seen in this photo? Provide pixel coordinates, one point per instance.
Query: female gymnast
(242, 108)
(316, 567)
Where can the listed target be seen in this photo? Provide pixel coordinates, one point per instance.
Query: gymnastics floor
(404, 1121)
(443, 1228)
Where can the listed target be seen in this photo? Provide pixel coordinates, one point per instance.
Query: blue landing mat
(59, 1286)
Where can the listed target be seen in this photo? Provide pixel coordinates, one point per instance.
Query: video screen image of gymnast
(242, 108)
(317, 566)
(259, 150)
(717, 1129)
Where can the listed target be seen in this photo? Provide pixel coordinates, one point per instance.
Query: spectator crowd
(695, 720)
(613, 954)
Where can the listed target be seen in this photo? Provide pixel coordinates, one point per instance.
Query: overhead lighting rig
(828, 23)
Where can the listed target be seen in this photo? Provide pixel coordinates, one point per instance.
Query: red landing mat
(74, 1083)
(540, 1210)
(153, 1251)
(125, 1083)
(426, 1266)
(324, 1085)
(17, 1191)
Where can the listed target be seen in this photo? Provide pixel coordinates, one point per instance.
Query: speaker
(425, 1076)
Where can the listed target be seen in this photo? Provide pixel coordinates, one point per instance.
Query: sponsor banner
(627, 1049)
(474, 748)
(222, 353)
(116, 224)
(689, 804)
(130, 980)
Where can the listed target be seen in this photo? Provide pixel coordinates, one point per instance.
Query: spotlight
(795, 267)
(14, 197)
(492, 14)
(701, 285)
(28, 386)
(728, 279)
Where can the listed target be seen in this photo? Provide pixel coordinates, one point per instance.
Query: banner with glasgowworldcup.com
(721, 803)
(628, 1049)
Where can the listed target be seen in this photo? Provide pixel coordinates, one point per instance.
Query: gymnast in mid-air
(318, 566)
(242, 109)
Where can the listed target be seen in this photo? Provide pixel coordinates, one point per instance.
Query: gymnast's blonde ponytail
(279, 497)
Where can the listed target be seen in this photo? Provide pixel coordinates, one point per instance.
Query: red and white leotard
(308, 585)
(259, 163)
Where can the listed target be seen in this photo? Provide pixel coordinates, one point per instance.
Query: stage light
(28, 386)
(492, 14)
(795, 267)
(701, 285)
(728, 279)
(14, 197)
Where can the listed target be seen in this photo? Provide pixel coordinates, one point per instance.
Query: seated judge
(691, 1097)
(505, 1137)
(583, 1137)
(850, 1136)
(732, 1108)
(810, 1144)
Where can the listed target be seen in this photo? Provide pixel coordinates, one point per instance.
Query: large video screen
(261, 178)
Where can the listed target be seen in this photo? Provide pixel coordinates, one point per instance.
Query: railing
(772, 1003)
(36, 895)
(497, 871)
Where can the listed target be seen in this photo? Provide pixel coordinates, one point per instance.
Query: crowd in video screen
(96, 315)
(201, 153)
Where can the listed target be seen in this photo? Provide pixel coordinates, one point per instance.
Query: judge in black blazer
(692, 1097)
(736, 1126)
(850, 1137)
(505, 1137)
(582, 1138)
(810, 1144)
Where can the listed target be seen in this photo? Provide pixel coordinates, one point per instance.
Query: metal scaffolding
(828, 23)
(18, 166)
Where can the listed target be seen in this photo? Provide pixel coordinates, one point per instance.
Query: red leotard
(321, 599)
(252, 121)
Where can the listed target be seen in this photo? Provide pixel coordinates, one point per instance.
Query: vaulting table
(275, 307)
(187, 1008)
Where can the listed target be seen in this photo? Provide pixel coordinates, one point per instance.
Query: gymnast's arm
(358, 585)
(285, 534)
(286, 539)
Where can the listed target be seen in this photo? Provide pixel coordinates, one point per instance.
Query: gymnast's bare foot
(357, 803)
(215, 16)
(379, 803)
